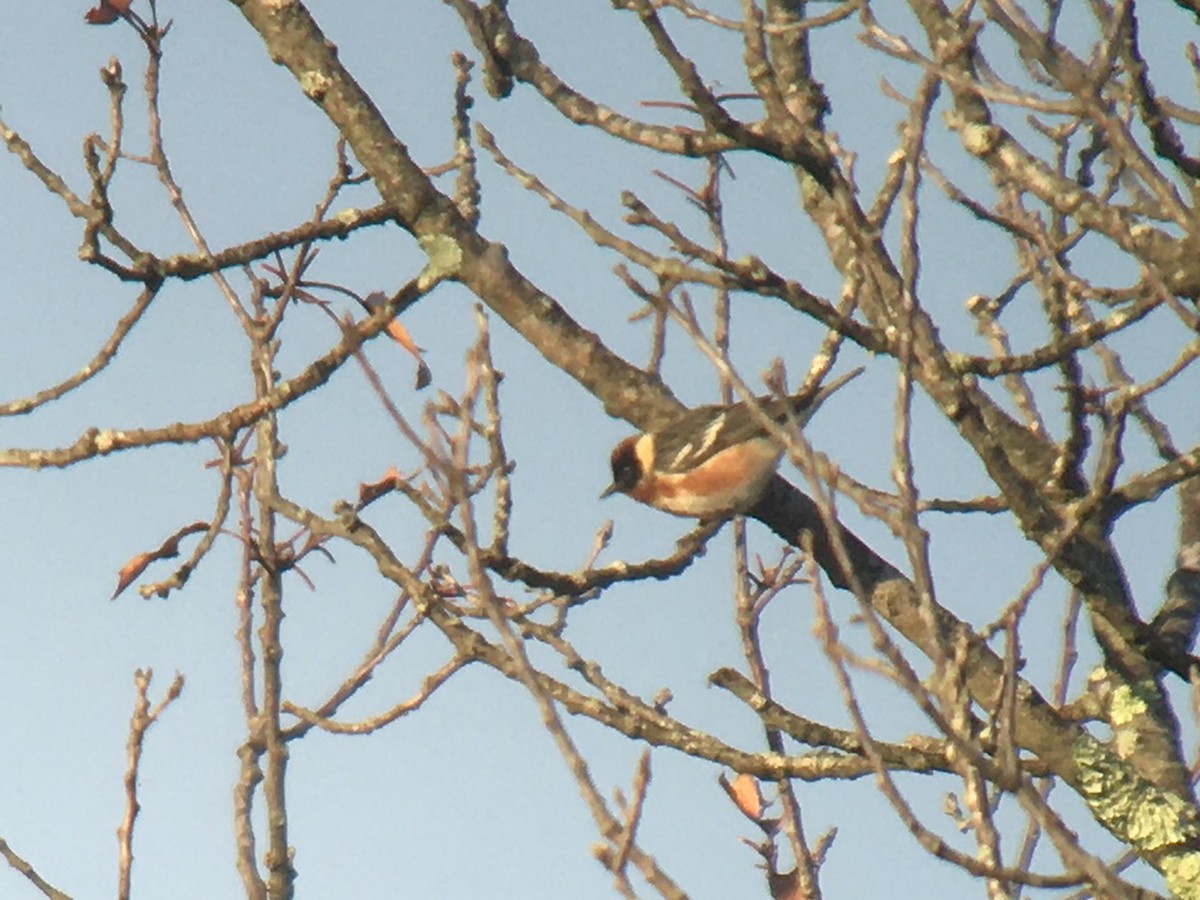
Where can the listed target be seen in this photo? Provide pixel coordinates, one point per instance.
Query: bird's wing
(700, 433)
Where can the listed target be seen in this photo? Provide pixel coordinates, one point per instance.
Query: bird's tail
(807, 403)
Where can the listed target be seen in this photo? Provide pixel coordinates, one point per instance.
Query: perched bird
(713, 460)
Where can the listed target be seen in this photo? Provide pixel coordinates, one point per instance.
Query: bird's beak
(609, 491)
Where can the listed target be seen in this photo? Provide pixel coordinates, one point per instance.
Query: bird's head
(626, 468)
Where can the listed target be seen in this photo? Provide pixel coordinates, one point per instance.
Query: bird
(712, 461)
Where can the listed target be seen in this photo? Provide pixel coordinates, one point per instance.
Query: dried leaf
(169, 548)
(368, 492)
(424, 376)
(785, 885)
(746, 795)
(101, 15)
(130, 571)
(398, 333)
(106, 12)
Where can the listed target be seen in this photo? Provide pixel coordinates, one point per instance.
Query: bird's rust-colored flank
(724, 484)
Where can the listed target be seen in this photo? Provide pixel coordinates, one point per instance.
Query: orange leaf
(106, 12)
(745, 793)
(101, 15)
(398, 333)
(130, 571)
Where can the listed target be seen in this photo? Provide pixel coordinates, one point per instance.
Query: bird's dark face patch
(626, 468)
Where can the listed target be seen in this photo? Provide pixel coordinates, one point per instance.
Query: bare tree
(1040, 138)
